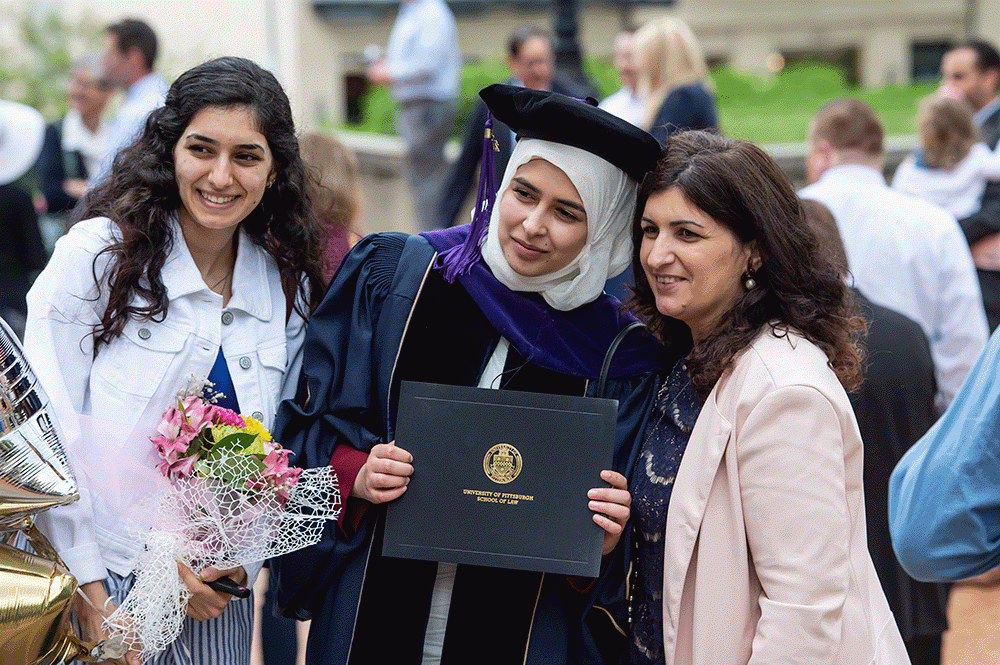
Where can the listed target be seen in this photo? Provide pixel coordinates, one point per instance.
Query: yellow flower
(255, 427)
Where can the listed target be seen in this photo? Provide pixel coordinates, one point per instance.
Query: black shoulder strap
(602, 381)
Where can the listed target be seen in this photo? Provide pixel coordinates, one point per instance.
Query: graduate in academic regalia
(514, 302)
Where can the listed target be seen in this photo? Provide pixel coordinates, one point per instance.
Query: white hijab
(608, 197)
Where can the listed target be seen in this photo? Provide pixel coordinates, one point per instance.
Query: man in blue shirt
(421, 66)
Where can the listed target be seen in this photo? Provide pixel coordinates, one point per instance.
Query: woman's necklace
(221, 282)
(220, 286)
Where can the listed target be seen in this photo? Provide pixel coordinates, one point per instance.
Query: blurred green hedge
(764, 110)
(778, 109)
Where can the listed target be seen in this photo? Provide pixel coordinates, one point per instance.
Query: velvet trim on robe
(572, 342)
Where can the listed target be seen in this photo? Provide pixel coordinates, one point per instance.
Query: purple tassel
(459, 259)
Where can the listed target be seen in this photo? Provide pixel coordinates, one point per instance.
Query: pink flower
(173, 439)
(179, 443)
(171, 423)
(225, 416)
(168, 459)
(278, 474)
(184, 467)
(276, 463)
(199, 413)
(290, 477)
(164, 467)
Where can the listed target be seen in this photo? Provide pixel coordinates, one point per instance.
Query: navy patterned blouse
(677, 407)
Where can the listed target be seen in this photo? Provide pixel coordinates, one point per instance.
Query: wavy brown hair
(142, 198)
(798, 287)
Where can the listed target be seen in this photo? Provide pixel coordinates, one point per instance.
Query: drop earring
(749, 282)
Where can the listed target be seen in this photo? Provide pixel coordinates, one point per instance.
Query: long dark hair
(141, 196)
(798, 287)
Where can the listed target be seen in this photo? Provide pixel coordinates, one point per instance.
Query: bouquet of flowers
(197, 438)
(233, 501)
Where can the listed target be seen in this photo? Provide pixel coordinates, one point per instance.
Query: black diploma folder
(500, 478)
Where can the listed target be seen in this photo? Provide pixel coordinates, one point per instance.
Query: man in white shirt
(627, 103)
(129, 54)
(905, 253)
(422, 65)
(973, 69)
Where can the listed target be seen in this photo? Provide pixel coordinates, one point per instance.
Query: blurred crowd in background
(925, 243)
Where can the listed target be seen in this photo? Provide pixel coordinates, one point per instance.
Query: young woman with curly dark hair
(197, 258)
(748, 511)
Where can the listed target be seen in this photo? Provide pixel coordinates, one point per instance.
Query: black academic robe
(369, 608)
(894, 407)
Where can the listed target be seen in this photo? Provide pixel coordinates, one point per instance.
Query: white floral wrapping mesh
(203, 522)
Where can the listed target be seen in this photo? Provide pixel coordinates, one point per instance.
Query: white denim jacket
(123, 393)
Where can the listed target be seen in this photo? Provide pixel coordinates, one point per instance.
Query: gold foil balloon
(35, 589)
(35, 595)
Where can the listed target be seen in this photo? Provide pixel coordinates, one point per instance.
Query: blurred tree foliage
(34, 68)
(379, 108)
(766, 110)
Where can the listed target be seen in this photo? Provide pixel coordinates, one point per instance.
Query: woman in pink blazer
(748, 514)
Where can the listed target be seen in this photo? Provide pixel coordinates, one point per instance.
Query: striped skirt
(224, 640)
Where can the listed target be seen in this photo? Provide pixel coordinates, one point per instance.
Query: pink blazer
(766, 556)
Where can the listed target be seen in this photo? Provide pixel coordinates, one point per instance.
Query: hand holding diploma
(385, 475)
(611, 506)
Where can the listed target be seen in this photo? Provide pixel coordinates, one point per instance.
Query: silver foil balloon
(34, 472)
(35, 589)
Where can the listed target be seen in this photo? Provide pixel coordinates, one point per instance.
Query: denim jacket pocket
(136, 362)
(273, 359)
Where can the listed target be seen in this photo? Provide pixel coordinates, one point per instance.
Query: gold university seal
(502, 463)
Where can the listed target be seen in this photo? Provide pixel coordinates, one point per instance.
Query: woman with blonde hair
(673, 77)
(953, 164)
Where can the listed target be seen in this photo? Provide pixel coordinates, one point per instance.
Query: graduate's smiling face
(543, 225)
